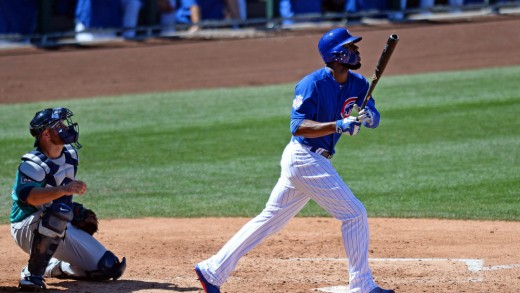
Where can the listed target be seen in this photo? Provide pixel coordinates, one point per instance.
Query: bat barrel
(381, 65)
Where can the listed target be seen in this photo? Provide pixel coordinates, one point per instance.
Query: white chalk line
(473, 265)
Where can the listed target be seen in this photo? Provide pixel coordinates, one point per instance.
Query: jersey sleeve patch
(297, 102)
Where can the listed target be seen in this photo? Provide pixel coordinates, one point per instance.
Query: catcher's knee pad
(109, 267)
(46, 239)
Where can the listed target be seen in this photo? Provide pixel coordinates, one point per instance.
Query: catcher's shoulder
(71, 150)
(32, 170)
(33, 165)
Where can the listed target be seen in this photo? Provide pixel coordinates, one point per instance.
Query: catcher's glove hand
(84, 219)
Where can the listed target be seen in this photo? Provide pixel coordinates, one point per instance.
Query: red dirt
(411, 255)
(156, 66)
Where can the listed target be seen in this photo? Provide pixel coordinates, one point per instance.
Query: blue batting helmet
(331, 43)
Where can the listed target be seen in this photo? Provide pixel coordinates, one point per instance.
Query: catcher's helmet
(331, 44)
(67, 130)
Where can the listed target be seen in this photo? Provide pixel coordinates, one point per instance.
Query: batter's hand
(348, 125)
(366, 116)
(75, 187)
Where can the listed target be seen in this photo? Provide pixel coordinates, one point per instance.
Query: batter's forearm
(311, 129)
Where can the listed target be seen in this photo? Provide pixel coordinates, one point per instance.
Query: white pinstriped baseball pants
(305, 175)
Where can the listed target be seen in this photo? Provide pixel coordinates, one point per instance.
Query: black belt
(322, 152)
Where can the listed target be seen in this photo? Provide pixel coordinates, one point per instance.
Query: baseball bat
(381, 65)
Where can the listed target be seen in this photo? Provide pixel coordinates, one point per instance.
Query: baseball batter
(321, 108)
(45, 222)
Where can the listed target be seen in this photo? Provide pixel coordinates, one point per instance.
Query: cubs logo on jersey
(347, 107)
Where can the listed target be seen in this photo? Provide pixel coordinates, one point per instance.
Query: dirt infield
(155, 66)
(411, 255)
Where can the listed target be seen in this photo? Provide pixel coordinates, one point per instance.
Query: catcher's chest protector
(58, 171)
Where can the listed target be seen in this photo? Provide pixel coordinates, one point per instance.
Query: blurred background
(57, 22)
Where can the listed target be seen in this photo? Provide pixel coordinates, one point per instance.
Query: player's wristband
(339, 128)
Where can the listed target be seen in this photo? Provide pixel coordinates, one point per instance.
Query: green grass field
(448, 146)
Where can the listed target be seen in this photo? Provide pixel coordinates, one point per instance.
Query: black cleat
(381, 290)
(32, 283)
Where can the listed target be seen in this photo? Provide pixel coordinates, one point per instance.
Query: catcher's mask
(331, 47)
(59, 119)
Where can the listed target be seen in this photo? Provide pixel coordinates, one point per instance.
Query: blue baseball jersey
(319, 97)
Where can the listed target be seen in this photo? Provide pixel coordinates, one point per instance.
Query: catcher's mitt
(84, 219)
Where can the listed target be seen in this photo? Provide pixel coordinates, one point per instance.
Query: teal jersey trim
(20, 209)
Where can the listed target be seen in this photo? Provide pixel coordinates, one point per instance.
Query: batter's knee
(355, 213)
(362, 212)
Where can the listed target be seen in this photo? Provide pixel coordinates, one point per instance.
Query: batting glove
(365, 116)
(348, 125)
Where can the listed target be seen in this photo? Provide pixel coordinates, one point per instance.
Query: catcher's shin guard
(109, 267)
(51, 231)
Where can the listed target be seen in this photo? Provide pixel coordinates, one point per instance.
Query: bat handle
(365, 101)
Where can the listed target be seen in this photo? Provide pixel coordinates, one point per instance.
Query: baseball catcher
(56, 232)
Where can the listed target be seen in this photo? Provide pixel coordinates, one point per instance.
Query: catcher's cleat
(25, 273)
(208, 287)
(32, 283)
(380, 290)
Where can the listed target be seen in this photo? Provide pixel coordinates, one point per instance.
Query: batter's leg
(355, 233)
(324, 185)
(284, 203)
